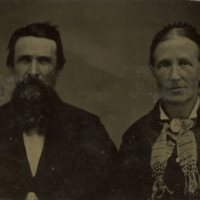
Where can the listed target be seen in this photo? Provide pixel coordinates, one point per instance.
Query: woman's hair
(171, 30)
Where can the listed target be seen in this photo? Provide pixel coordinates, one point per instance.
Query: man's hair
(42, 30)
(178, 29)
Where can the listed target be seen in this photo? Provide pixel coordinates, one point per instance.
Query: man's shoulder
(74, 112)
(5, 109)
(5, 106)
(84, 129)
(7, 117)
(73, 117)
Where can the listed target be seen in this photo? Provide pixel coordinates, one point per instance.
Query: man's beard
(34, 103)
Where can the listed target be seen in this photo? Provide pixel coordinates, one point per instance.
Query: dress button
(31, 196)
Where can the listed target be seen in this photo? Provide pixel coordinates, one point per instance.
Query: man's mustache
(34, 103)
(30, 89)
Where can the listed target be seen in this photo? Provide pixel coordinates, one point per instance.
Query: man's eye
(44, 60)
(24, 59)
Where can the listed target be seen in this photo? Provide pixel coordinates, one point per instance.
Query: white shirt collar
(193, 114)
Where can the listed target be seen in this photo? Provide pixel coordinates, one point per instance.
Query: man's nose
(175, 72)
(34, 68)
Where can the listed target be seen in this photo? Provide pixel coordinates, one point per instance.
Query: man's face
(37, 57)
(177, 69)
(34, 97)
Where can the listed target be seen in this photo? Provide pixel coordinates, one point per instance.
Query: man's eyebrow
(44, 58)
(23, 57)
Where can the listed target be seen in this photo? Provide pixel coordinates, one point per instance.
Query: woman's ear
(152, 69)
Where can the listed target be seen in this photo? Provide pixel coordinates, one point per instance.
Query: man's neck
(33, 131)
(179, 110)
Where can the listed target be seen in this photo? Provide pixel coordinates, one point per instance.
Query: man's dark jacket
(77, 162)
(135, 155)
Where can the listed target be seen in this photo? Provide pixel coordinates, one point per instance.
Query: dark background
(106, 44)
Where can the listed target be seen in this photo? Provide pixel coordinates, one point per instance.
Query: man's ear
(14, 76)
(12, 71)
(57, 72)
(53, 77)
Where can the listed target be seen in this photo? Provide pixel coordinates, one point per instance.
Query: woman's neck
(179, 110)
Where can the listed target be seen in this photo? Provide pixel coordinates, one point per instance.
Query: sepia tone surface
(106, 43)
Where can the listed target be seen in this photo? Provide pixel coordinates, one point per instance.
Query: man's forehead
(31, 44)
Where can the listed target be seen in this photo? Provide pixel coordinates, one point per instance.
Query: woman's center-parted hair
(170, 31)
(42, 30)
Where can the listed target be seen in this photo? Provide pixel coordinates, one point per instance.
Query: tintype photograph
(99, 100)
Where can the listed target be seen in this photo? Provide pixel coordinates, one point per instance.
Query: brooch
(175, 125)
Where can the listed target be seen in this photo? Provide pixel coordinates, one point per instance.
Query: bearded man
(48, 149)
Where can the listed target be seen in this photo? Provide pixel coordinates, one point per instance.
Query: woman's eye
(184, 62)
(164, 63)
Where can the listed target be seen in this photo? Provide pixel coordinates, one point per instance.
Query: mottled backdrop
(106, 44)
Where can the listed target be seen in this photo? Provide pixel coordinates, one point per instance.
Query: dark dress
(135, 154)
